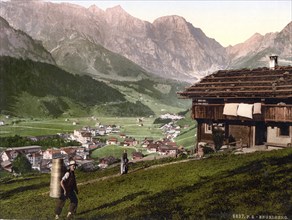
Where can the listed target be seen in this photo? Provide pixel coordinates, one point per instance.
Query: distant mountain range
(255, 51)
(138, 66)
(92, 41)
(31, 85)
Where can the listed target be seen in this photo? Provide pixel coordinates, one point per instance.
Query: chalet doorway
(260, 133)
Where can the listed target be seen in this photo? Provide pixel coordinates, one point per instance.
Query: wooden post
(240, 143)
(290, 128)
(199, 135)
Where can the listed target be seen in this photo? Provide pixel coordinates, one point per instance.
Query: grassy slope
(52, 92)
(34, 89)
(187, 136)
(112, 150)
(214, 188)
(48, 85)
(119, 72)
(157, 93)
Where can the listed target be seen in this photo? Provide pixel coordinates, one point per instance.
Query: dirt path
(135, 170)
(132, 171)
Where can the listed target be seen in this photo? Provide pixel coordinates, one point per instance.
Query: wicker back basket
(56, 175)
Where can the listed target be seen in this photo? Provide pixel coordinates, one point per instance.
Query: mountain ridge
(31, 97)
(133, 39)
(170, 47)
(16, 43)
(254, 51)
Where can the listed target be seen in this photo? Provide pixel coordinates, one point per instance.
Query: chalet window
(208, 128)
(284, 130)
(219, 126)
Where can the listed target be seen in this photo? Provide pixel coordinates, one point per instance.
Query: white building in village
(11, 153)
(171, 116)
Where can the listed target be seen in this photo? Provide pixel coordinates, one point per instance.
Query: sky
(229, 22)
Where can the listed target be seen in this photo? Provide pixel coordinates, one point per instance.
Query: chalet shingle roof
(244, 83)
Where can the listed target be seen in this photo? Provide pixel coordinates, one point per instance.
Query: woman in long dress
(124, 163)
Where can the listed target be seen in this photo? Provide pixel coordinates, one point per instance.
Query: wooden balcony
(282, 113)
(272, 113)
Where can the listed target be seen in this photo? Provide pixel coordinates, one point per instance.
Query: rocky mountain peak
(288, 30)
(254, 52)
(16, 43)
(254, 37)
(173, 22)
(116, 10)
(116, 16)
(170, 47)
(172, 19)
(119, 21)
(96, 10)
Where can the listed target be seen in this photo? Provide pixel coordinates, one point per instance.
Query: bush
(162, 121)
(21, 164)
(182, 156)
(218, 138)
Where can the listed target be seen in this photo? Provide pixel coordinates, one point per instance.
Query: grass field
(27, 127)
(112, 150)
(116, 151)
(187, 138)
(219, 187)
(31, 127)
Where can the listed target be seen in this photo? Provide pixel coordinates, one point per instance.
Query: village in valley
(96, 137)
(235, 123)
(145, 109)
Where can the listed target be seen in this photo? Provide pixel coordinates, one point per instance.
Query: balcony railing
(275, 113)
(278, 113)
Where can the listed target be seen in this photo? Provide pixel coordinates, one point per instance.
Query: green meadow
(111, 150)
(128, 125)
(30, 127)
(224, 186)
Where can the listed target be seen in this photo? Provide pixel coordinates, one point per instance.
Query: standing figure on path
(69, 191)
(124, 163)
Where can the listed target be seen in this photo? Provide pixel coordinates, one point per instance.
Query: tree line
(18, 141)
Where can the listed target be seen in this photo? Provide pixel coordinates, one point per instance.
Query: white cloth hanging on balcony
(245, 110)
(230, 109)
(257, 108)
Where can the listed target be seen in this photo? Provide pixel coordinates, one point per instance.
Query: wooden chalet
(252, 105)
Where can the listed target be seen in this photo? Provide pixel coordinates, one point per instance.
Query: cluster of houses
(126, 141)
(162, 147)
(86, 135)
(90, 139)
(171, 130)
(41, 160)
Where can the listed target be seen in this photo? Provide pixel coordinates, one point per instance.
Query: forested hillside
(37, 89)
